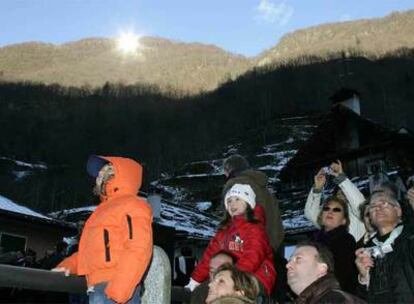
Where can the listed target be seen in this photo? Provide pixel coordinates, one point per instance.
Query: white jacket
(355, 199)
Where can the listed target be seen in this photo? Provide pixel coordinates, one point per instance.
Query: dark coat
(326, 290)
(258, 181)
(342, 245)
(392, 277)
(200, 293)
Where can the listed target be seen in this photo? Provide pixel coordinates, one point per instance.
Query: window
(12, 242)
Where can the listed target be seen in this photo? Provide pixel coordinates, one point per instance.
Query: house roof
(343, 94)
(12, 209)
(321, 147)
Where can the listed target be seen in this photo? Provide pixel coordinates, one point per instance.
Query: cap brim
(95, 164)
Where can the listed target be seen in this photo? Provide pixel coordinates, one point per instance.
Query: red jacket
(248, 244)
(116, 242)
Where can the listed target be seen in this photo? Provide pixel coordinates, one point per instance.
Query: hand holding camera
(364, 261)
(376, 252)
(320, 179)
(336, 168)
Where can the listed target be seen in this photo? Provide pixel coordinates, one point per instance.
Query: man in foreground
(310, 276)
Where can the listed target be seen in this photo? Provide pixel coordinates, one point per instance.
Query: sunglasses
(334, 209)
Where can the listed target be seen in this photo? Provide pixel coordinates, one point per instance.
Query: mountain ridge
(187, 67)
(191, 68)
(378, 37)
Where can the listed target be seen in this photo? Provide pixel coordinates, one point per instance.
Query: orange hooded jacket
(116, 242)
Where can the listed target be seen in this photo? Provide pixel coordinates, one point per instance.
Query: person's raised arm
(354, 197)
(312, 206)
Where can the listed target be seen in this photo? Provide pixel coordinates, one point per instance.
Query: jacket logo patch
(236, 244)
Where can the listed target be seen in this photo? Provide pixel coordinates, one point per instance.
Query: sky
(246, 27)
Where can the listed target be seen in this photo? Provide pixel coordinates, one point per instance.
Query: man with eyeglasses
(386, 263)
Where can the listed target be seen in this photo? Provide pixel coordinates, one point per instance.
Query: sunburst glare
(128, 43)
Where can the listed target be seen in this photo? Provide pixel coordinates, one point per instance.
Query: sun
(128, 43)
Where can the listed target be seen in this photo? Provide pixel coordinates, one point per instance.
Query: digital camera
(379, 251)
(375, 252)
(327, 170)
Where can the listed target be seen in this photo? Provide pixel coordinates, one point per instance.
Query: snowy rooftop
(8, 205)
(183, 219)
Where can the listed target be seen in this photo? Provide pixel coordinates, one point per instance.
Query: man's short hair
(243, 281)
(387, 187)
(224, 253)
(236, 163)
(384, 193)
(324, 254)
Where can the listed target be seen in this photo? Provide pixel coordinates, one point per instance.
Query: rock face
(157, 283)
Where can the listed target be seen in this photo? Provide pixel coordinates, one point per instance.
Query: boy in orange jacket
(115, 248)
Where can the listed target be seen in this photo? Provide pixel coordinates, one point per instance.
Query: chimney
(347, 98)
(347, 130)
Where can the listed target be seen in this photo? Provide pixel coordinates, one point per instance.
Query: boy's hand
(62, 269)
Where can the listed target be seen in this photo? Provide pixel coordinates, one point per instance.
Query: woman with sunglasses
(347, 191)
(334, 222)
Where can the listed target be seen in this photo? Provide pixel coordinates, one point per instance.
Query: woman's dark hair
(344, 206)
(225, 222)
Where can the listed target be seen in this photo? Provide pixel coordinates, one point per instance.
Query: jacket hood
(259, 214)
(127, 176)
(258, 177)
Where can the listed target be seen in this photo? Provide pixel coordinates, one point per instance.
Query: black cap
(95, 164)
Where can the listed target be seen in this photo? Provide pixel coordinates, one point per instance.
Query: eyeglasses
(381, 205)
(334, 209)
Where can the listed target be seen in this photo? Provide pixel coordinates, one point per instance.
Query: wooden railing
(157, 282)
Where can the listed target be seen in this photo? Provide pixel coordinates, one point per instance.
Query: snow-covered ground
(270, 158)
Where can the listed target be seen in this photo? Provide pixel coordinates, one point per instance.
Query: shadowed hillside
(59, 127)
